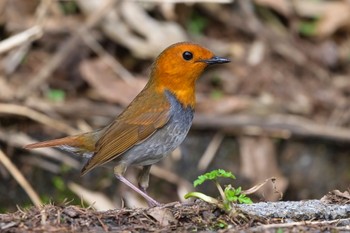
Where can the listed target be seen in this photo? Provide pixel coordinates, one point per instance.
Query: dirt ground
(198, 216)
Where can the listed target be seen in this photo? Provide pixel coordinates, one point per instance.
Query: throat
(186, 98)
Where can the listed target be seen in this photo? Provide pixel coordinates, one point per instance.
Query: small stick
(211, 150)
(16, 139)
(37, 116)
(26, 36)
(65, 50)
(113, 63)
(20, 179)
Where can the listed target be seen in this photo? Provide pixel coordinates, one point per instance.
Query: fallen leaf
(281, 6)
(337, 197)
(162, 215)
(100, 76)
(332, 14)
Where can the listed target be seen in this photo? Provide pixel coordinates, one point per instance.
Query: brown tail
(69, 141)
(78, 143)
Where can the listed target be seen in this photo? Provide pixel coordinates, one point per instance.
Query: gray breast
(165, 140)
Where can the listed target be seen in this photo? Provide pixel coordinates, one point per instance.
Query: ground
(310, 216)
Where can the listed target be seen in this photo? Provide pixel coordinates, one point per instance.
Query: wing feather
(138, 122)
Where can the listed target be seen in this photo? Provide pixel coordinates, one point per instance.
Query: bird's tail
(82, 143)
(68, 141)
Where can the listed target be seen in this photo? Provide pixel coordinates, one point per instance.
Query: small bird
(155, 122)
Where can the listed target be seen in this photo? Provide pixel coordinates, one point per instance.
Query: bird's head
(178, 67)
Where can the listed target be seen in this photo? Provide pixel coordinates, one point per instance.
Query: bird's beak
(216, 60)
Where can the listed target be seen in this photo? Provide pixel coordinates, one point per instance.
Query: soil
(181, 217)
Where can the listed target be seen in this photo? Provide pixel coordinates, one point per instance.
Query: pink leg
(150, 200)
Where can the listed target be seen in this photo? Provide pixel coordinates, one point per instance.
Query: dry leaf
(333, 14)
(121, 23)
(104, 81)
(259, 161)
(162, 215)
(337, 197)
(281, 6)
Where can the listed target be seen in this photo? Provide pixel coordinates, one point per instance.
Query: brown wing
(141, 119)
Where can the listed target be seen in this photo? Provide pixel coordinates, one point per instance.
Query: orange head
(178, 67)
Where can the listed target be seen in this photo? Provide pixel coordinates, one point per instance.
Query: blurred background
(279, 109)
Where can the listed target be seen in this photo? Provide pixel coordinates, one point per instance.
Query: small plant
(56, 95)
(308, 28)
(197, 24)
(229, 195)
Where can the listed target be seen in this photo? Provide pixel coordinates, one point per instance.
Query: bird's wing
(139, 121)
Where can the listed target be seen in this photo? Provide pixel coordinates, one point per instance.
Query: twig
(37, 116)
(12, 61)
(277, 125)
(113, 63)
(14, 58)
(258, 186)
(26, 36)
(20, 179)
(65, 50)
(20, 139)
(211, 150)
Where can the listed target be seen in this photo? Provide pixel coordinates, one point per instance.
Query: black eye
(187, 55)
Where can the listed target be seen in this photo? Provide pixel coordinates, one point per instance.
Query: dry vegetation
(280, 108)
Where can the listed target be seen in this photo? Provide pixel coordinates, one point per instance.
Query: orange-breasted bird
(155, 122)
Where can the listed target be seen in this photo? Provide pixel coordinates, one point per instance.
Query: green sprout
(58, 183)
(56, 95)
(229, 195)
(69, 7)
(221, 224)
(308, 28)
(197, 24)
(216, 94)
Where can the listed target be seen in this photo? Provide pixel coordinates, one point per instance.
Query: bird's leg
(119, 171)
(144, 178)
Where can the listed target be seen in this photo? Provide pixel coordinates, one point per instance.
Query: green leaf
(216, 94)
(236, 195)
(230, 194)
(69, 7)
(243, 199)
(308, 28)
(213, 175)
(221, 224)
(56, 95)
(238, 191)
(197, 24)
(58, 183)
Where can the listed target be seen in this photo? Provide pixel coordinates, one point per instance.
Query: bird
(153, 125)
